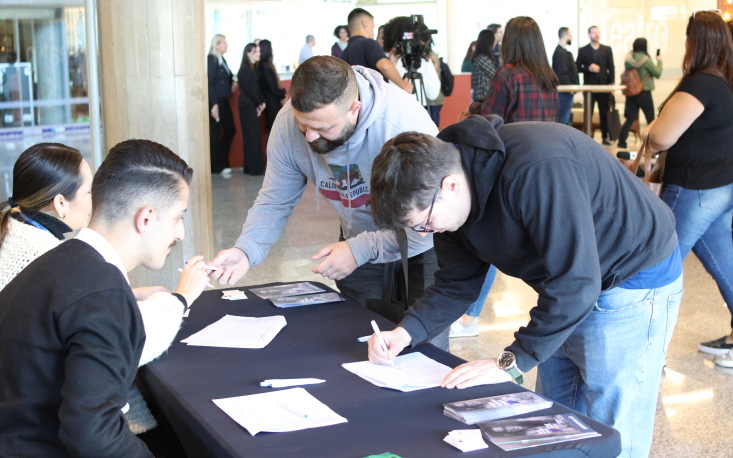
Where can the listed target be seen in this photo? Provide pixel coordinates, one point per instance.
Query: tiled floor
(694, 411)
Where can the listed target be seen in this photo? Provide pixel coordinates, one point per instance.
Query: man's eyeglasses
(718, 12)
(426, 227)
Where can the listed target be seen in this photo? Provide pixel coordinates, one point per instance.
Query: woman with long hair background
(525, 88)
(270, 86)
(695, 127)
(220, 112)
(483, 65)
(251, 105)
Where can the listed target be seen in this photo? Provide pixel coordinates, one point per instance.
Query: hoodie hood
(636, 59)
(482, 153)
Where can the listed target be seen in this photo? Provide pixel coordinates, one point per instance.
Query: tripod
(414, 76)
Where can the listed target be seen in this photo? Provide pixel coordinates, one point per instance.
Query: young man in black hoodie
(544, 203)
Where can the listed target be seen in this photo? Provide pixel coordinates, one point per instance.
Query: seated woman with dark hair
(525, 88)
(342, 33)
(52, 186)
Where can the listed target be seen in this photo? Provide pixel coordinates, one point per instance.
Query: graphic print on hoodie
(346, 184)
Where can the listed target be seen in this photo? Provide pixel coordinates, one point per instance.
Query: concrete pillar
(154, 87)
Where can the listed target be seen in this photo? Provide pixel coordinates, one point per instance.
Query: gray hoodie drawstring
(348, 184)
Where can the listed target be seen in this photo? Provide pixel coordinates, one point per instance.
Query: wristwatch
(508, 362)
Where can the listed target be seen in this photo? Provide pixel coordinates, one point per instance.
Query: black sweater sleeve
(560, 225)
(211, 68)
(458, 283)
(268, 81)
(249, 86)
(101, 353)
(610, 65)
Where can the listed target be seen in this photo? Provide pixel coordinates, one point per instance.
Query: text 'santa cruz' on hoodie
(347, 184)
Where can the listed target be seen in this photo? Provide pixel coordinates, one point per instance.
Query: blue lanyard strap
(33, 223)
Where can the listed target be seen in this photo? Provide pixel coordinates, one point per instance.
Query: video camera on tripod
(413, 47)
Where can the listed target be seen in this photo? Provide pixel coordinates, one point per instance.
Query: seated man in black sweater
(71, 333)
(546, 204)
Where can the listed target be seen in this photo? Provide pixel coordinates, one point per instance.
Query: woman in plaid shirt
(525, 88)
(483, 65)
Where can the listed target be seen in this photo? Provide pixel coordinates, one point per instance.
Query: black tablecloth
(315, 342)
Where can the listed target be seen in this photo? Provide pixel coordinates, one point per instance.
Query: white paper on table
(284, 382)
(466, 440)
(411, 372)
(238, 332)
(279, 411)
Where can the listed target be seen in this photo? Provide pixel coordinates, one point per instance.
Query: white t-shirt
(429, 76)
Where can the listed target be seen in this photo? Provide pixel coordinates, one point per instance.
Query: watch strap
(516, 374)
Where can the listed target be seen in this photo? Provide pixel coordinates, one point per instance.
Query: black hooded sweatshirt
(549, 206)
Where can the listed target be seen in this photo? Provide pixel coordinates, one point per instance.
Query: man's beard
(323, 146)
(569, 42)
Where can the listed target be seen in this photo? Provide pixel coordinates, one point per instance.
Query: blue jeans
(610, 367)
(704, 226)
(475, 309)
(566, 105)
(434, 111)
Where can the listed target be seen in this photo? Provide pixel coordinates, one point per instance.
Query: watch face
(506, 360)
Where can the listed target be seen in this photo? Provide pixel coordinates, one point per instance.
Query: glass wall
(43, 68)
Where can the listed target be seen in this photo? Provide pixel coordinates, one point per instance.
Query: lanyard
(33, 223)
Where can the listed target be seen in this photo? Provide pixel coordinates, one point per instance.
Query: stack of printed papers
(308, 299)
(238, 332)
(495, 407)
(290, 289)
(279, 411)
(411, 372)
(466, 440)
(518, 433)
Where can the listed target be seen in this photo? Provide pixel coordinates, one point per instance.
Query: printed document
(411, 372)
(238, 332)
(279, 411)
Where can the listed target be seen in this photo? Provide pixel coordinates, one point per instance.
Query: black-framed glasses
(426, 227)
(718, 12)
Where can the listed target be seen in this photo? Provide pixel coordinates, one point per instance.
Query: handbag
(392, 305)
(651, 175)
(614, 120)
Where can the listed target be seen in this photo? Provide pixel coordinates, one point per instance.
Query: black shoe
(622, 145)
(606, 142)
(715, 347)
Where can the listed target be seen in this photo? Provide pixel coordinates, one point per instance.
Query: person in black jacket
(545, 203)
(71, 332)
(221, 117)
(272, 91)
(595, 61)
(564, 66)
(251, 106)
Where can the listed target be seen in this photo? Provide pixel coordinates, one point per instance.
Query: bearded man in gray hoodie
(329, 133)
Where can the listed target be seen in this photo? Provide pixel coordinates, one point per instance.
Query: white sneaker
(461, 329)
(725, 360)
(226, 171)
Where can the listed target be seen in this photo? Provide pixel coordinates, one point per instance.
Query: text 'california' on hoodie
(341, 177)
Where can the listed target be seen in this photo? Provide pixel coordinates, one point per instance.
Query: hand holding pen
(194, 278)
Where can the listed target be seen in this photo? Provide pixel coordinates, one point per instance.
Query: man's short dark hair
(562, 32)
(355, 16)
(406, 174)
(137, 173)
(493, 27)
(592, 27)
(322, 80)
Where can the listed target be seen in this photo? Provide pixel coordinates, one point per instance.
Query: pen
(206, 266)
(294, 410)
(208, 284)
(381, 340)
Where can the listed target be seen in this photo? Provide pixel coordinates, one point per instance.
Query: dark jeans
(603, 99)
(641, 101)
(435, 114)
(368, 282)
(220, 144)
(566, 106)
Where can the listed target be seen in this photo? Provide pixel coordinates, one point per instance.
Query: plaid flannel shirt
(482, 72)
(516, 96)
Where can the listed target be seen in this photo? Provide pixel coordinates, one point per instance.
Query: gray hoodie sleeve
(381, 246)
(282, 188)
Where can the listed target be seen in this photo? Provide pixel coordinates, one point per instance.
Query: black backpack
(447, 79)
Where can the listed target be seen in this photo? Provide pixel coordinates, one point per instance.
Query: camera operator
(365, 51)
(408, 42)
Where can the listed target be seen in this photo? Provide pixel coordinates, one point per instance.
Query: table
(315, 342)
(587, 90)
